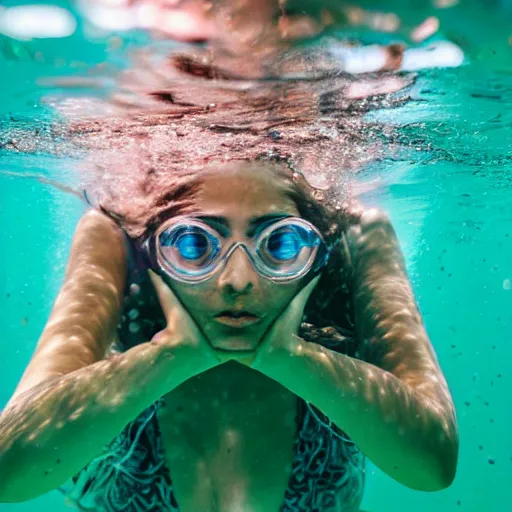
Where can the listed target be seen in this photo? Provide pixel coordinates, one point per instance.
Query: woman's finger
(293, 314)
(303, 296)
(167, 299)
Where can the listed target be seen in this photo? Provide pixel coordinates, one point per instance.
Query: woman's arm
(70, 403)
(395, 405)
(51, 431)
(388, 321)
(82, 324)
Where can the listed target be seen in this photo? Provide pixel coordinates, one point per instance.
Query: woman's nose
(238, 275)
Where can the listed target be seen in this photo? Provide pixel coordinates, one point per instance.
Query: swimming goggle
(189, 250)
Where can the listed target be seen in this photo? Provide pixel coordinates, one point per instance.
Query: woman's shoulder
(97, 223)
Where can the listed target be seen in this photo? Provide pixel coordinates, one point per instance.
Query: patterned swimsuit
(131, 475)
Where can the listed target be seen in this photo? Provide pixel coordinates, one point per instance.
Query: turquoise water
(448, 191)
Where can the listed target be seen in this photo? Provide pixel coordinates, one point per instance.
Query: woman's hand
(282, 335)
(181, 333)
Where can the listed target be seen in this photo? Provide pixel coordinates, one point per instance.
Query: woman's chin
(227, 339)
(235, 344)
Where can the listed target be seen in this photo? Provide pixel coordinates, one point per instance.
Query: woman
(267, 342)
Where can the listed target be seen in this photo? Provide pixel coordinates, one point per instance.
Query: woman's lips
(237, 320)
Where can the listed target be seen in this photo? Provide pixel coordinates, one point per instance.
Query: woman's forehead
(243, 195)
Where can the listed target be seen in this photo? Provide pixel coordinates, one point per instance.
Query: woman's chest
(226, 453)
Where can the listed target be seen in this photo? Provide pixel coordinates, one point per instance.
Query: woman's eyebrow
(254, 222)
(213, 219)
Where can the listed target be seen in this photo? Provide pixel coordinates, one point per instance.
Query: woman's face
(236, 306)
